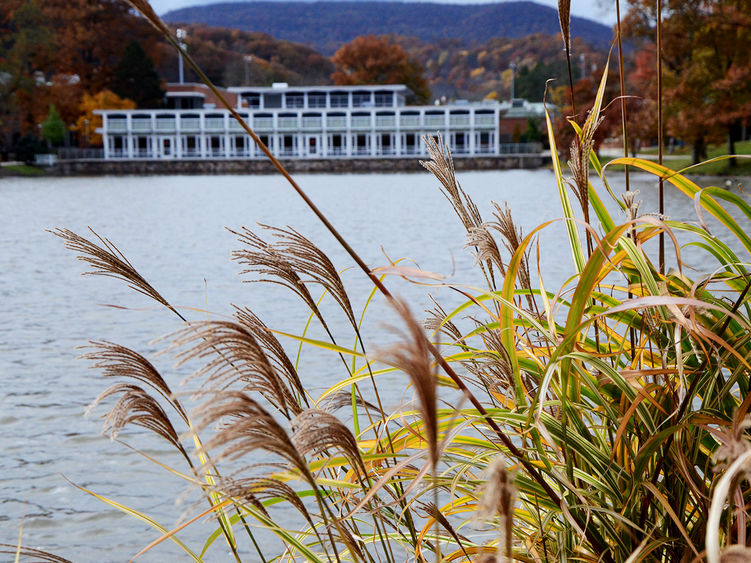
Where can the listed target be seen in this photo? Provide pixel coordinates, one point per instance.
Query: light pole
(180, 34)
(248, 60)
(512, 66)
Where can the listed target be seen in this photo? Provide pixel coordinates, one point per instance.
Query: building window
(361, 144)
(117, 146)
(386, 143)
(142, 146)
(289, 145)
(295, 100)
(484, 142)
(361, 100)
(266, 140)
(461, 143)
(336, 144)
(339, 99)
(410, 143)
(215, 145)
(384, 99)
(239, 145)
(312, 145)
(271, 101)
(253, 101)
(190, 146)
(316, 100)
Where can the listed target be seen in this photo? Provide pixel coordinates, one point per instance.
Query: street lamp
(512, 66)
(180, 34)
(248, 60)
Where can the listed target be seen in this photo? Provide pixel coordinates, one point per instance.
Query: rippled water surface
(173, 230)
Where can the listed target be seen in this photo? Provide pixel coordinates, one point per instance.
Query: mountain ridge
(336, 22)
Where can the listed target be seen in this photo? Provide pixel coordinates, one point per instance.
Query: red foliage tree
(374, 60)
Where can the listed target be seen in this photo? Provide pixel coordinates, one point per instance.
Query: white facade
(306, 122)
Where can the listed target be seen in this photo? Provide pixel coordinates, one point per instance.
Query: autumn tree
(706, 67)
(89, 121)
(89, 37)
(374, 60)
(585, 91)
(26, 55)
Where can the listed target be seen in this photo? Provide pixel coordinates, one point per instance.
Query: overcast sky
(599, 10)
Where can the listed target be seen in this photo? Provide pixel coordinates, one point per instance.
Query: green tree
(53, 128)
(136, 79)
(532, 133)
(27, 147)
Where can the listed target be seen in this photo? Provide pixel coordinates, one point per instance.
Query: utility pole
(512, 66)
(248, 60)
(180, 34)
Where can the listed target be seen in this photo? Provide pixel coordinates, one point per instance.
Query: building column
(397, 131)
(323, 150)
(202, 149)
(348, 132)
(496, 132)
(373, 133)
(178, 148)
(129, 136)
(472, 132)
(105, 137)
(227, 140)
(154, 147)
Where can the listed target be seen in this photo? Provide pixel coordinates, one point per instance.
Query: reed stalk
(600, 406)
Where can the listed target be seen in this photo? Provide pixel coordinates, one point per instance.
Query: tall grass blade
(140, 516)
(568, 211)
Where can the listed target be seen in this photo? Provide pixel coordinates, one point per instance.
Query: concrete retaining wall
(199, 167)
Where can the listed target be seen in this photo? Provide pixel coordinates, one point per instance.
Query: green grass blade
(140, 516)
(690, 189)
(568, 211)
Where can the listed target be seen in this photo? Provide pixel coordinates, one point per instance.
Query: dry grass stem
(108, 261)
(411, 356)
(309, 260)
(232, 355)
(115, 360)
(24, 554)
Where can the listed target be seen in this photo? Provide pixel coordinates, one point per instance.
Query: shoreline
(261, 166)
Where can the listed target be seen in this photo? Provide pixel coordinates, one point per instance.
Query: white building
(302, 122)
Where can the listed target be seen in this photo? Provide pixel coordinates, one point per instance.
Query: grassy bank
(21, 170)
(680, 159)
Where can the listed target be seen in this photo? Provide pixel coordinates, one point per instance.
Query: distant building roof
(521, 108)
(283, 86)
(196, 89)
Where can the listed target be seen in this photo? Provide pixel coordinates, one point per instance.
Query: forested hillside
(325, 26)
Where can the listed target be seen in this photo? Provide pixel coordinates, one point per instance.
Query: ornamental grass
(603, 420)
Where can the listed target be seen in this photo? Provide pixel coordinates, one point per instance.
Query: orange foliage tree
(89, 121)
(374, 60)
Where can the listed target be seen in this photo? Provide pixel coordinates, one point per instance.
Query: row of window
(164, 122)
(289, 145)
(273, 100)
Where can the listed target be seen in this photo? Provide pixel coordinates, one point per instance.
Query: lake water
(173, 230)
